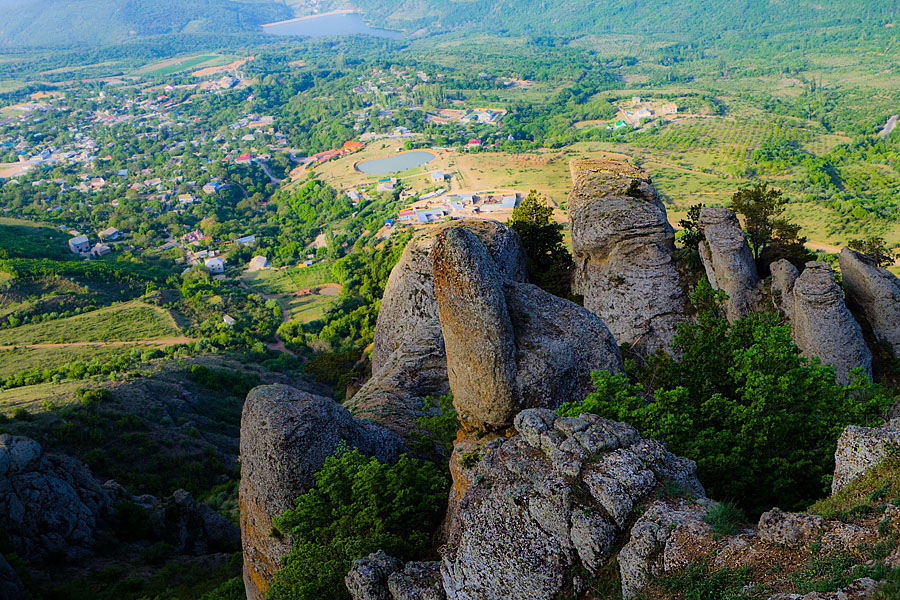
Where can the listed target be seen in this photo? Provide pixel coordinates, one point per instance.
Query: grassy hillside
(67, 22)
(692, 20)
(117, 323)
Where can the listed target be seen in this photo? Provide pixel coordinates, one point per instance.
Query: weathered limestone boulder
(873, 293)
(821, 324)
(49, 504)
(286, 435)
(409, 294)
(510, 346)
(728, 260)
(861, 449)
(408, 359)
(553, 497)
(11, 587)
(558, 345)
(623, 247)
(784, 276)
(478, 333)
(380, 577)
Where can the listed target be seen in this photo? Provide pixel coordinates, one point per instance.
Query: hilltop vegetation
(92, 22)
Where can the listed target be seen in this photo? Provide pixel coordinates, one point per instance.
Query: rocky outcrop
(672, 534)
(286, 435)
(623, 247)
(784, 276)
(821, 324)
(728, 260)
(478, 334)
(553, 497)
(380, 577)
(873, 293)
(49, 504)
(858, 590)
(510, 345)
(408, 359)
(861, 449)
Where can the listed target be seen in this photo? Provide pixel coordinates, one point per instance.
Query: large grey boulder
(408, 359)
(49, 504)
(478, 333)
(873, 293)
(286, 435)
(861, 449)
(728, 261)
(509, 345)
(623, 245)
(548, 500)
(822, 326)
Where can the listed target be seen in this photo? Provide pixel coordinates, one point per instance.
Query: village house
(99, 250)
(110, 233)
(79, 244)
(215, 265)
(247, 240)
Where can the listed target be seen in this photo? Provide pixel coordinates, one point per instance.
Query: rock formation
(728, 260)
(671, 534)
(550, 498)
(49, 504)
(821, 324)
(623, 247)
(286, 435)
(860, 449)
(408, 359)
(380, 577)
(873, 293)
(510, 346)
(478, 334)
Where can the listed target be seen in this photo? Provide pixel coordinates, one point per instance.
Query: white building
(215, 265)
(80, 245)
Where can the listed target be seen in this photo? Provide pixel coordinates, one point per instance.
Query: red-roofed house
(353, 146)
(243, 158)
(474, 143)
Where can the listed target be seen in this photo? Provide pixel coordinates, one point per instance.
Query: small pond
(329, 24)
(395, 164)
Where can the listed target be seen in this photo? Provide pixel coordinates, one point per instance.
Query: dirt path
(165, 342)
(279, 343)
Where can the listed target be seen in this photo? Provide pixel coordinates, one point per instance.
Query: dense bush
(358, 506)
(761, 421)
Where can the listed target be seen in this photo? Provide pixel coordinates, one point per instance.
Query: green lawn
(286, 281)
(131, 321)
(307, 308)
(182, 66)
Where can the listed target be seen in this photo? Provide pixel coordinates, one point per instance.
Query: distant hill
(71, 22)
(685, 19)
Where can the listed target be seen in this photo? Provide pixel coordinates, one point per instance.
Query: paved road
(889, 127)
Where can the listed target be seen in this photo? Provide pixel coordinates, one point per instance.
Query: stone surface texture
(550, 498)
(623, 246)
(874, 294)
(286, 435)
(821, 324)
(860, 449)
(728, 261)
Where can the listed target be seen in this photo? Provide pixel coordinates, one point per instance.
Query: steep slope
(66, 22)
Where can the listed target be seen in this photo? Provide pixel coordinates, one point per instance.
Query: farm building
(437, 176)
(387, 186)
(228, 320)
(247, 240)
(100, 250)
(258, 263)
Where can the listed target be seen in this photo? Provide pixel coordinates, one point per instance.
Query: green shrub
(726, 518)
(698, 582)
(358, 506)
(21, 414)
(158, 553)
(438, 430)
(761, 421)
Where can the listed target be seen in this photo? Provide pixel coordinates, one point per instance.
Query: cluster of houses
(81, 245)
(457, 206)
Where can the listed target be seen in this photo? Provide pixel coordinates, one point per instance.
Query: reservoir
(337, 23)
(394, 164)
